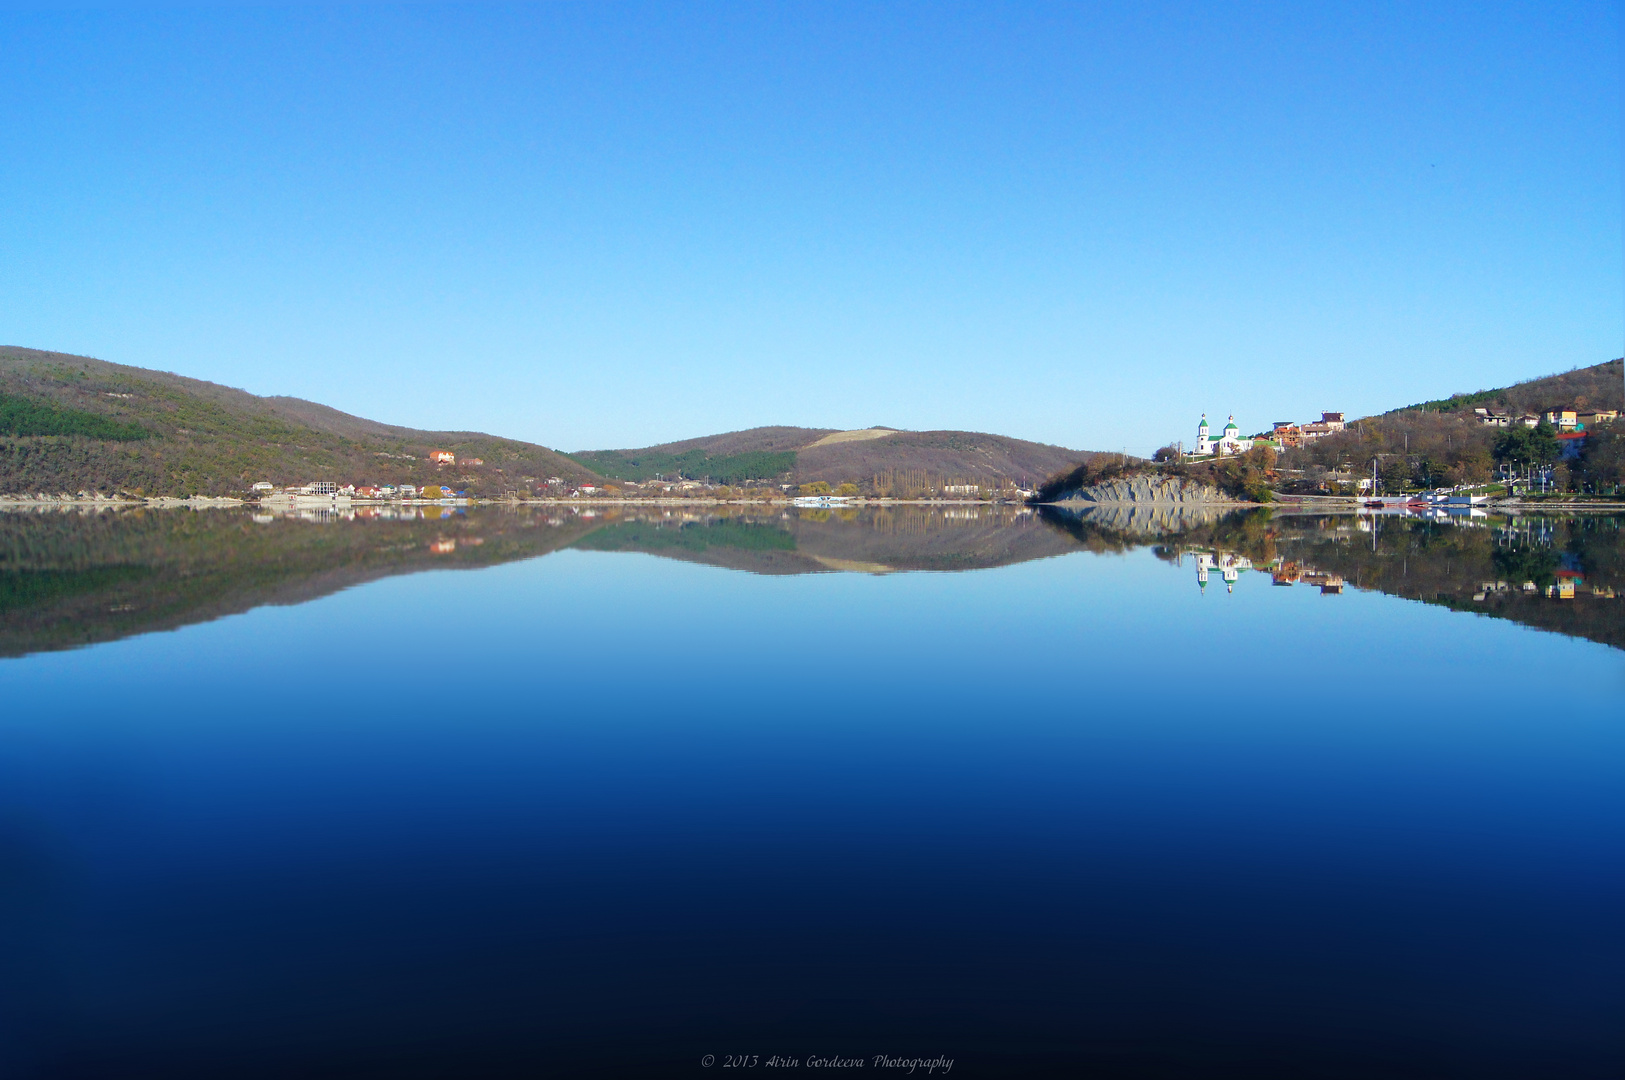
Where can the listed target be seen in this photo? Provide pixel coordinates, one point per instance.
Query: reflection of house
(1291, 573)
(1228, 565)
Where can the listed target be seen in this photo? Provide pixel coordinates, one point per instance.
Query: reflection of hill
(761, 545)
(868, 540)
(928, 538)
(1451, 563)
(70, 579)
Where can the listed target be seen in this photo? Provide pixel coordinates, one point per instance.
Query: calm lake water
(538, 794)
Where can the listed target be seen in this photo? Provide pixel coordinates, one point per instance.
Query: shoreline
(1295, 503)
(227, 502)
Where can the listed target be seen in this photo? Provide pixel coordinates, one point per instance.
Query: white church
(1228, 442)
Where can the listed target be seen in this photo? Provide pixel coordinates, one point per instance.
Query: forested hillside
(72, 423)
(1442, 442)
(1595, 387)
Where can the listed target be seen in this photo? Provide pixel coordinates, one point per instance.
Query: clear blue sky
(619, 224)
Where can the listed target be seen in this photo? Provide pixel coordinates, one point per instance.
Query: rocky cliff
(1144, 488)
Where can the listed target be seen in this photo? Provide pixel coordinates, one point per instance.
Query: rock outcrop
(1144, 488)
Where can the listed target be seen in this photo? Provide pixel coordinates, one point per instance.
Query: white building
(1228, 442)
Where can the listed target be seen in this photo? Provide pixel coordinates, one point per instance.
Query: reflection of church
(1228, 566)
(1228, 442)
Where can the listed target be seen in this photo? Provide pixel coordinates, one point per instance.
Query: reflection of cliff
(70, 579)
(1145, 518)
(1172, 528)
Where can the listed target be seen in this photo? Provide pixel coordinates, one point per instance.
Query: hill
(1441, 442)
(878, 460)
(1601, 386)
(73, 423)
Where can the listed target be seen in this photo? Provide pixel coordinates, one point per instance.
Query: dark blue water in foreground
(605, 814)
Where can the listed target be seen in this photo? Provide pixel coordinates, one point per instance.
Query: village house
(1287, 435)
(442, 457)
(1330, 423)
(1570, 443)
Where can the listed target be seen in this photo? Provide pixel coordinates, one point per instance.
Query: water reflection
(71, 578)
(601, 813)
